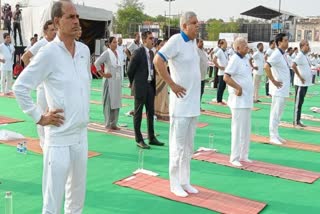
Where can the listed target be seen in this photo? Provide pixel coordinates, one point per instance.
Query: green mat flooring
(22, 174)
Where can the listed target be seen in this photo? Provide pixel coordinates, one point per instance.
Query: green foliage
(216, 26)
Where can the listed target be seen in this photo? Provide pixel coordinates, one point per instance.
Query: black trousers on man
(221, 88)
(17, 27)
(148, 102)
(301, 92)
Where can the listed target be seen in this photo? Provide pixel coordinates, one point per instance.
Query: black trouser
(216, 79)
(17, 26)
(202, 90)
(267, 86)
(210, 71)
(7, 25)
(221, 88)
(301, 92)
(291, 76)
(137, 117)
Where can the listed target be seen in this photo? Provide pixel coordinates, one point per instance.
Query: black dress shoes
(142, 145)
(155, 142)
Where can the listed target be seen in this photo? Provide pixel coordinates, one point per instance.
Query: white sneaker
(236, 163)
(282, 140)
(178, 191)
(247, 160)
(275, 141)
(190, 189)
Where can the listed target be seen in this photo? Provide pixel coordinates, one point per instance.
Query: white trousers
(43, 105)
(64, 174)
(240, 133)
(256, 85)
(6, 81)
(277, 107)
(182, 132)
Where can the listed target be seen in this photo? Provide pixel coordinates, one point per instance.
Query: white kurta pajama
(281, 72)
(240, 71)
(41, 96)
(258, 61)
(111, 87)
(6, 51)
(67, 86)
(183, 59)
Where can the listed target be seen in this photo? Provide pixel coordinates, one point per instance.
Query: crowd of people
(58, 67)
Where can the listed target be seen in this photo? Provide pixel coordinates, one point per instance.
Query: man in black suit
(141, 75)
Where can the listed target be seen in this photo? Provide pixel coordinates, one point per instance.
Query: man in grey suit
(141, 75)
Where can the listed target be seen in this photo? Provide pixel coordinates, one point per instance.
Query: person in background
(203, 65)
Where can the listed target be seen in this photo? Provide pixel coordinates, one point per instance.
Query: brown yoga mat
(8, 96)
(5, 120)
(96, 89)
(122, 132)
(199, 124)
(289, 173)
(216, 114)
(217, 104)
(34, 146)
(96, 102)
(288, 144)
(126, 96)
(206, 198)
(307, 128)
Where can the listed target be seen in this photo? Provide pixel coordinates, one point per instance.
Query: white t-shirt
(258, 60)
(203, 63)
(183, 60)
(240, 71)
(36, 47)
(269, 52)
(281, 72)
(121, 56)
(222, 59)
(6, 51)
(304, 68)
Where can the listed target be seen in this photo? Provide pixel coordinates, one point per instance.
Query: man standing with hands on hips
(63, 66)
(184, 105)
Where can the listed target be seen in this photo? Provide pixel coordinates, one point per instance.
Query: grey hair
(238, 42)
(185, 17)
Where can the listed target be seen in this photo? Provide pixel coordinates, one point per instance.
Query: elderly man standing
(63, 66)
(238, 77)
(184, 108)
(278, 72)
(302, 79)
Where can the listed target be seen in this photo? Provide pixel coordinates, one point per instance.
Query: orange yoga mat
(289, 173)
(289, 144)
(122, 132)
(34, 146)
(216, 114)
(5, 120)
(206, 198)
(307, 128)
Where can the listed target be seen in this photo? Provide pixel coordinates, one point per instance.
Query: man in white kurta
(258, 64)
(238, 77)
(184, 104)
(302, 79)
(49, 34)
(64, 67)
(6, 60)
(278, 72)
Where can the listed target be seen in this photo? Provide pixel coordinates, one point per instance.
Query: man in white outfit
(49, 34)
(7, 51)
(184, 80)
(63, 66)
(302, 79)
(278, 71)
(238, 77)
(257, 65)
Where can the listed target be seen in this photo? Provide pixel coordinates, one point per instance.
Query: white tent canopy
(37, 12)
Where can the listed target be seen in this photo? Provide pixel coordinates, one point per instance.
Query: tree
(216, 26)
(129, 16)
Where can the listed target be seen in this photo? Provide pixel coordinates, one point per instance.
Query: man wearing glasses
(141, 75)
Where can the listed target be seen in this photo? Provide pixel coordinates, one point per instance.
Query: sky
(205, 9)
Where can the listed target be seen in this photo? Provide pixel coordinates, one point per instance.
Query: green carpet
(22, 174)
